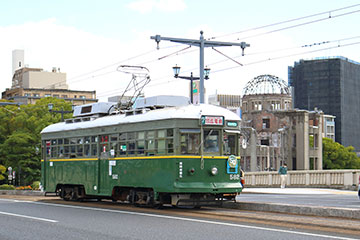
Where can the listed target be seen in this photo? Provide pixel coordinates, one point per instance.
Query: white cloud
(146, 6)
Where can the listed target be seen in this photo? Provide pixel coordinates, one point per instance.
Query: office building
(333, 86)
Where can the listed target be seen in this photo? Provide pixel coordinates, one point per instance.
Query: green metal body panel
(162, 174)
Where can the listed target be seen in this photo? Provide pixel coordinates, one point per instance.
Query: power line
(107, 93)
(185, 52)
(298, 25)
(283, 22)
(286, 56)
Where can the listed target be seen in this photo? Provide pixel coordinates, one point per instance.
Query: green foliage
(35, 185)
(7, 187)
(336, 156)
(20, 140)
(2, 172)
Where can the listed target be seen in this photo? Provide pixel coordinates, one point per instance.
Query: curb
(22, 192)
(296, 209)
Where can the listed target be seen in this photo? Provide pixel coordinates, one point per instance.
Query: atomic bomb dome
(266, 92)
(266, 84)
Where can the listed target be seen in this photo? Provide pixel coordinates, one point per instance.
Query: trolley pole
(201, 43)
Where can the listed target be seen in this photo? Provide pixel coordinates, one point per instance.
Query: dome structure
(266, 84)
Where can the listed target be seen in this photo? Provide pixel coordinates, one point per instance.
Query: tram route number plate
(234, 176)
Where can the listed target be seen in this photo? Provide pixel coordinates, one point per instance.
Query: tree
(20, 139)
(336, 156)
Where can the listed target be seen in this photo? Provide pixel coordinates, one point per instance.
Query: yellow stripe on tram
(140, 158)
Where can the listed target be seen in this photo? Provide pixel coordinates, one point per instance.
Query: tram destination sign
(212, 120)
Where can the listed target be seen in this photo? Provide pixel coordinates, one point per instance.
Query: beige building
(31, 84)
(31, 95)
(37, 78)
(231, 102)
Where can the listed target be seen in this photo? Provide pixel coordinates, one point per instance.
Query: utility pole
(201, 43)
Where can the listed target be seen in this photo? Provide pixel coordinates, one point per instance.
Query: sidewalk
(299, 191)
(277, 201)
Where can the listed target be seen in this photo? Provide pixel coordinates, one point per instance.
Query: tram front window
(211, 141)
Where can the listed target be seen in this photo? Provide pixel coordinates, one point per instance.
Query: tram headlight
(214, 171)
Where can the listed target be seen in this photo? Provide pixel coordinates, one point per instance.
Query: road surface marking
(24, 216)
(192, 220)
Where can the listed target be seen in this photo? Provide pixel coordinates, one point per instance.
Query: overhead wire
(183, 51)
(244, 65)
(269, 25)
(286, 21)
(286, 56)
(298, 25)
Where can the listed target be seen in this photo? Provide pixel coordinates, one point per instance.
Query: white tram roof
(183, 112)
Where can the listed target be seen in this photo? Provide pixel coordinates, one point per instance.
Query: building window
(36, 95)
(82, 97)
(27, 94)
(245, 107)
(56, 95)
(275, 105)
(258, 106)
(266, 123)
(47, 95)
(64, 96)
(265, 142)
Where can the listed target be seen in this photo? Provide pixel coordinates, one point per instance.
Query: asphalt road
(41, 220)
(301, 196)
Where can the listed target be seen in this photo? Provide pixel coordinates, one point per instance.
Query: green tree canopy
(336, 156)
(20, 140)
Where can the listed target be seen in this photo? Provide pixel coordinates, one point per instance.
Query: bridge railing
(342, 179)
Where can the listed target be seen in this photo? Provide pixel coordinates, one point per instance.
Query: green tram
(187, 155)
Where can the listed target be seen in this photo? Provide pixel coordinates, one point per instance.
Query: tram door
(104, 166)
(43, 167)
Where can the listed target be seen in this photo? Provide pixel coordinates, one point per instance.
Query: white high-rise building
(17, 60)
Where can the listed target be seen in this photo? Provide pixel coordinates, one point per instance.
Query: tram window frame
(53, 151)
(140, 143)
(161, 141)
(189, 139)
(234, 148)
(151, 143)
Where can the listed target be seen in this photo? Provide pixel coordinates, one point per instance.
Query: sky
(90, 40)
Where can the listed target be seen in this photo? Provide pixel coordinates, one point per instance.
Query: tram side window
(140, 143)
(150, 143)
(93, 149)
(190, 141)
(230, 144)
(161, 149)
(48, 149)
(165, 143)
(211, 141)
(104, 143)
(122, 144)
(113, 145)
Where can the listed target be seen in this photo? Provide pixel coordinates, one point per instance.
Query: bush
(7, 187)
(35, 185)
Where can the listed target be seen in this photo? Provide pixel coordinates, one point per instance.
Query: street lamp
(176, 70)
(51, 106)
